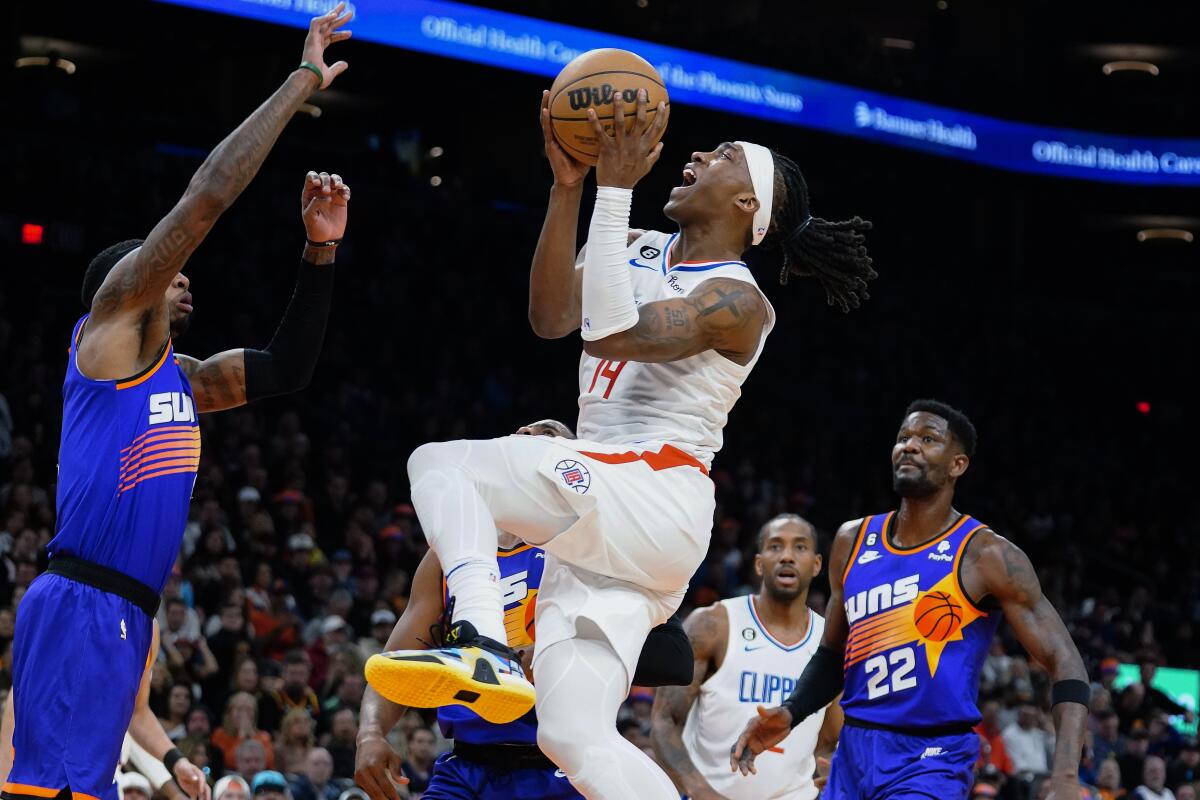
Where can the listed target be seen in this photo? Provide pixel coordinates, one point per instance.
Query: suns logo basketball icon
(575, 475)
(937, 616)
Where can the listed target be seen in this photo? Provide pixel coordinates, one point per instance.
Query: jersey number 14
(607, 369)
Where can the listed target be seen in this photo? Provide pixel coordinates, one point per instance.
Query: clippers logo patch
(648, 252)
(575, 475)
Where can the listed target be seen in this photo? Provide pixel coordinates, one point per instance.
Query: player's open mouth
(787, 575)
(689, 176)
(908, 464)
(184, 303)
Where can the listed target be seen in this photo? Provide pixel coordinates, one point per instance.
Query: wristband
(172, 758)
(315, 71)
(330, 243)
(1071, 691)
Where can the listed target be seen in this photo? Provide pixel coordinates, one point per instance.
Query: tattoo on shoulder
(728, 304)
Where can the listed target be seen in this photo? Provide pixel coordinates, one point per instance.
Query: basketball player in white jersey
(748, 650)
(671, 327)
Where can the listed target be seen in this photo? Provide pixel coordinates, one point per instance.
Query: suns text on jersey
(881, 597)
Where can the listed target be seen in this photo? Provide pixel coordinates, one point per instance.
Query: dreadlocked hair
(834, 253)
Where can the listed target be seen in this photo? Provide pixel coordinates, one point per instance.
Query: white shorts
(645, 519)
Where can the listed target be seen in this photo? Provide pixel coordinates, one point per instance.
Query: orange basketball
(592, 80)
(938, 615)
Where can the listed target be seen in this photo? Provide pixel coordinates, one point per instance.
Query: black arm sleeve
(667, 658)
(287, 363)
(817, 686)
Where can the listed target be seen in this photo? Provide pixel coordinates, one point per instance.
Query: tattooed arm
(994, 566)
(129, 317)
(721, 314)
(708, 630)
(236, 377)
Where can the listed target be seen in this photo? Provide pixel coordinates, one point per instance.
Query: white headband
(762, 178)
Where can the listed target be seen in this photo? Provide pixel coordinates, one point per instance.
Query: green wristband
(315, 71)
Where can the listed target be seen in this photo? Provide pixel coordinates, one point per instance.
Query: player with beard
(130, 449)
(748, 652)
(915, 599)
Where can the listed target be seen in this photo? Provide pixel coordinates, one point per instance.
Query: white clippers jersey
(686, 402)
(757, 670)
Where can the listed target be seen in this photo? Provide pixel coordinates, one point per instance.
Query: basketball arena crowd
(302, 540)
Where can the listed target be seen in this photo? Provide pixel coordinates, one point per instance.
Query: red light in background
(1143, 407)
(31, 233)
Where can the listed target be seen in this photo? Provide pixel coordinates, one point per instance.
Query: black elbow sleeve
(667, 658)
(818, 685)
(287, 363)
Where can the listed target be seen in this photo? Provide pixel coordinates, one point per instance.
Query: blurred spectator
(240, 725)
(1186, 791)
(295, 692)
(231, 787)
(295, 740)
(1107, 740)
(1027, 742)
(1137, 745)
(134, 786)
(992, 748)
(179, 703)
(203, 754)
(313, 783)
(1108, 780)
(1186, 768)
(270, 785)
(340, 742)
(382, 622)
(1154, 781)
(1151, 701)
(250, 758)
(418, 767)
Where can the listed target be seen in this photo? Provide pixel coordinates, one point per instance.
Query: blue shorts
(883, 765)
(78, 658)
(456, 778)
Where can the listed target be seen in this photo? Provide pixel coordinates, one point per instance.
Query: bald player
(749, 651)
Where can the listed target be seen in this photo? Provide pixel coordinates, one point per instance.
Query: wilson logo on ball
(602, 95)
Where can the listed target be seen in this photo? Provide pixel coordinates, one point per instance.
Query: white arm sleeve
(147, 764)
(608, 304)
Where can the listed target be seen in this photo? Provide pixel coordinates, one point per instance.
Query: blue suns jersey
(520, 578)
(917, 641)
(127, 462)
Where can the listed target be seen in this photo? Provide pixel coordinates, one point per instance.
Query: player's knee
(562, 743)
(429, 457)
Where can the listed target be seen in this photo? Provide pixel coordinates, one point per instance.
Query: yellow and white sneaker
(472, 670)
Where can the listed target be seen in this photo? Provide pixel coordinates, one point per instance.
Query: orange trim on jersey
(38, 791)
(858, 540)
(519, 549)
(190, 468)
(669, 456)
(171, 442)
(962, 548)
(175, 458)
(913, 550)
(864, 627)
(156, 431)
(149, 373)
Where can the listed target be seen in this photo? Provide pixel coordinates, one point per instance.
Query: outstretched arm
(997, 567)
(708, 630)
(129, 318)
(236, 377)
(822, 679)
(376, 764)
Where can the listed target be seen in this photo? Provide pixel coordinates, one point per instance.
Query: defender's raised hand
(322, 32)
(625, 158)
(323, 206)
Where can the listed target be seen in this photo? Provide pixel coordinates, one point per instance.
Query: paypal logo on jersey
(942, 554)
(882, 597)
(171, 407)
(763, 688)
